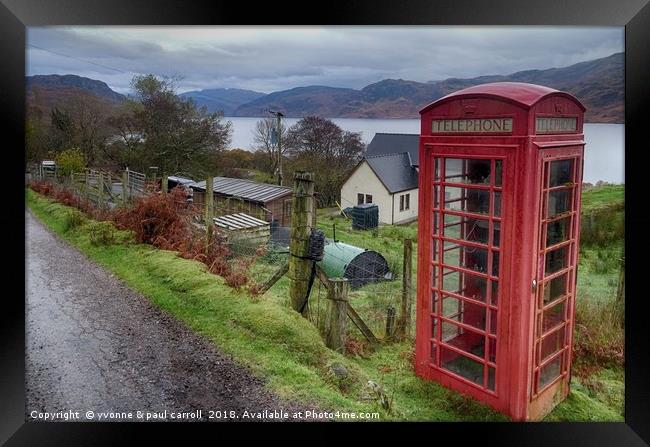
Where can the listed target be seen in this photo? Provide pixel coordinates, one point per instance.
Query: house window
(368, 198)
(404, 202)
(359, 199)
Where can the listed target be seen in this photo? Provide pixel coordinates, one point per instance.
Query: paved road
(94, 344)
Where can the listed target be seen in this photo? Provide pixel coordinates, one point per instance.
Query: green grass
(279, 345)
(598, 272)
(597, 282)
(599, 197)
(599, 336)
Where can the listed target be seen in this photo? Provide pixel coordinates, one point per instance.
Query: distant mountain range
(599, 84)
(44, 92)
(225, 100)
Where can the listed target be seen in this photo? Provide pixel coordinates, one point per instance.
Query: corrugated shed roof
(394, 171)
(239, 221)
(394, 143)
(246, 189)
(180, 180)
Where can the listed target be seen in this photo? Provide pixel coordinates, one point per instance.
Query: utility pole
(278, 116)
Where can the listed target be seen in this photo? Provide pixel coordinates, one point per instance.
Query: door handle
(534, 286)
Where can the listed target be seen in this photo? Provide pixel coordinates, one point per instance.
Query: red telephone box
(499, 219)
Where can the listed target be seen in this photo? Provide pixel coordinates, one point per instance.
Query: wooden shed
(261, 200)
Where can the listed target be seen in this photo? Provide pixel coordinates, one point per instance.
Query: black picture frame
(15, 15)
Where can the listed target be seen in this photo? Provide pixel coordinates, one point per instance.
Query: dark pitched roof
(246, 189)
(394, 143)
(395, 171)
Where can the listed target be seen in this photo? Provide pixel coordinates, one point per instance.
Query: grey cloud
(275, 59)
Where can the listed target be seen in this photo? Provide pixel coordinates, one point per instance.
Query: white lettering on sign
(477, 125)
(555, 125)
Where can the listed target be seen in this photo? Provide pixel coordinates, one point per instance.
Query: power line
(78, 59)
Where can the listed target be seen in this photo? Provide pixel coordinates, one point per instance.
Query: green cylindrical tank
(358, 265)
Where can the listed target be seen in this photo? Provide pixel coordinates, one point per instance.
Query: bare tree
(89, 116)
(319, 145)
(265, 142)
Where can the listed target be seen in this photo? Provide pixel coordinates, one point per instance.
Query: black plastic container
(365, 216)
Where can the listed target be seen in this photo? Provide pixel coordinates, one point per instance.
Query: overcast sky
(268, 59)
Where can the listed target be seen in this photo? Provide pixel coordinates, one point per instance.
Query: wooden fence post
(404, 321)
(302, 215)
(337, 314)
(128, 183)
(164, 181)
(279, 273)
(209, 210)
(100, 189)
(620, 293)
(209, 201)
(125, 185)
(390, 321)
(620, 289)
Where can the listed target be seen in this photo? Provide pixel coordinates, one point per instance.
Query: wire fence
(371, 300)
(104, 188)
(261, 251)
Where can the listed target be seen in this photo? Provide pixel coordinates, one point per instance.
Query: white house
(388, 177)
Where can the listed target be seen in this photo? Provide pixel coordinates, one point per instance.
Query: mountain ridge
(598, 84)
(222, 99)
(93, 86)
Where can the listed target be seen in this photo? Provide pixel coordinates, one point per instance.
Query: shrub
(164, 221)
(71, 160)
(606, 261)
(73, 219)
(236, 278)
(158, 219)
(238, 274)
(603, 225)
(42, 187)
(101, 233)
(599, 335)
(65, 196)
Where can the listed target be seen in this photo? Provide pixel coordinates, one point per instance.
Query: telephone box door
(467, 325)
(557, 252)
